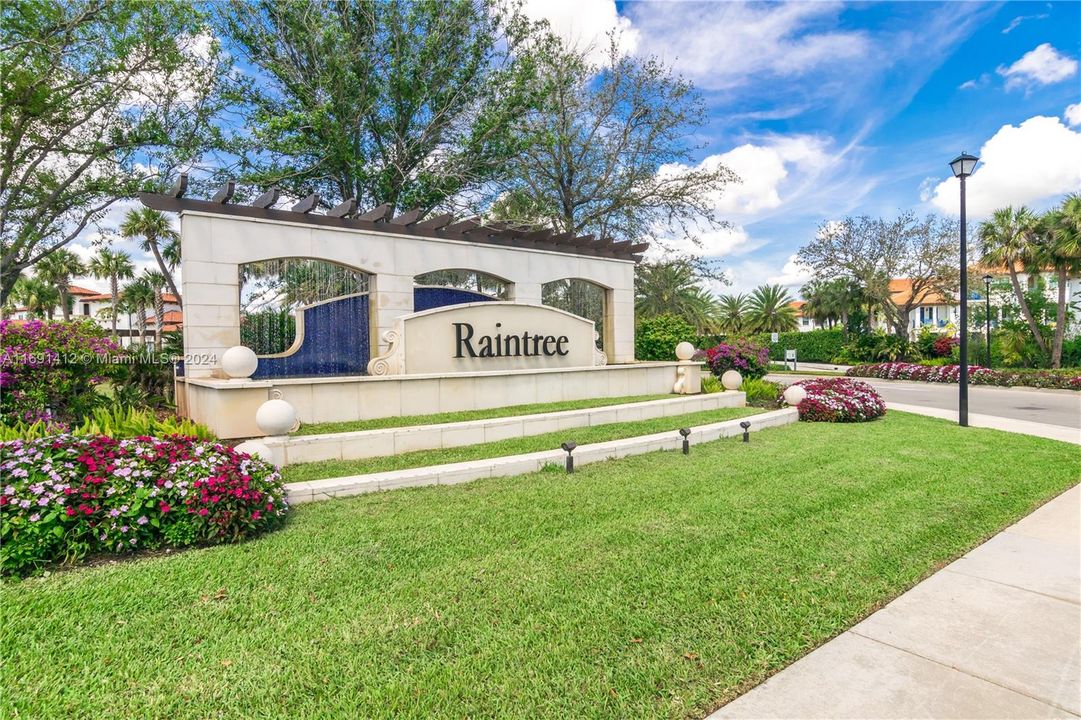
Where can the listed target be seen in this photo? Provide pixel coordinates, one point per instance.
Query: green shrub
(762, 393)
(114, 422)
(822, 346)
(711, 385)
(656, 338)
(879, 347)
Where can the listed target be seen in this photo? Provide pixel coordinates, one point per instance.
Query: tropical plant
(745, 357)
(732, 314)
(156, 232)
(770, 310)
(58, 269)
(115, 266)
(1059, 247)
(156, 282)
(39, 298)
(140, 297)
(671, 288)
(761, 392)
(1006, 241)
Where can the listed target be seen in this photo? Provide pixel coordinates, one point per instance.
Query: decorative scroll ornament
(681, 380)
(599, 356)
(390, 363)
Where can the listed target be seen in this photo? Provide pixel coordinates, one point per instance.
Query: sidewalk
(996, 634)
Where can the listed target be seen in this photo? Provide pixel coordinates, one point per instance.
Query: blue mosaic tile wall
(427, 298)
(335, 342)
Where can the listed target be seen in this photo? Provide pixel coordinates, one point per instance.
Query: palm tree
(158, 237)
(1006, 239)
(39, 298)
(156, 282)
(116, 266)
(671, 288)
(732, 313)
(1060, 247)
(139, 296)
(771, 310)
(58, 268)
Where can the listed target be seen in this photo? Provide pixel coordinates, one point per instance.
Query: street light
(962, 167)
(987, 305)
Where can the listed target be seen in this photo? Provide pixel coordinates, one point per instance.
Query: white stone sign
(476, 337)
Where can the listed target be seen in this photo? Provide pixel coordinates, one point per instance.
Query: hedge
(822, 346)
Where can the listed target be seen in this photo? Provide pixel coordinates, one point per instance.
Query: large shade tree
(406, 102)
(608, 152)
(98, 98)
(872, 251)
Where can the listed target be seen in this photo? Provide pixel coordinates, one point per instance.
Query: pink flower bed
(1062, 379)
(839, 400)
(65, 497)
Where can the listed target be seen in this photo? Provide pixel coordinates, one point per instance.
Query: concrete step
(453, 473)
(393, 441)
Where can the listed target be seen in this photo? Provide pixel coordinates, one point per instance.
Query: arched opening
(456, 286)
(580, 297)
(304, 316)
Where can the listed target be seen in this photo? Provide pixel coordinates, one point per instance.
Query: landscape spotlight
(746, 425)
(568, 447)
(686, 443)
(962, 167)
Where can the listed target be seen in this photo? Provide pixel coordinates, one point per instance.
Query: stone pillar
(619, 325)
(525, 292)
(211, 295)
(390, 296)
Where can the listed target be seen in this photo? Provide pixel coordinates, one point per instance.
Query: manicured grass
(511, 446)
(410, 420)
(654, 586)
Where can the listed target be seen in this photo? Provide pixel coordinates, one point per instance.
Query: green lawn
(653, 586)
(410, 420)
(512, 446)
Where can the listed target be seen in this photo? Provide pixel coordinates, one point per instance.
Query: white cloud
(585, 24)
(1037, 160)
(711, 243)
(793, 274)
(975, 83)
(726, 45)
(1072, 115)
(1042, 66)
(1020, 19)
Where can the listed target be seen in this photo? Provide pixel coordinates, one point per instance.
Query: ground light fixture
(987, 320)
(686, 442)
(568, 447)
(962, 167)
(746, 425)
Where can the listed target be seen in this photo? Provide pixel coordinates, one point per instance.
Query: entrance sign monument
(399, 345)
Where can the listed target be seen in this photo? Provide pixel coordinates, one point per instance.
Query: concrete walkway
(996, 634)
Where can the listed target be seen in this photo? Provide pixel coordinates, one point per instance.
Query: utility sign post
(790, 355)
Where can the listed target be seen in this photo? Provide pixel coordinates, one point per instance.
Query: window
(927, 316)
(805, 322)
(86, 308)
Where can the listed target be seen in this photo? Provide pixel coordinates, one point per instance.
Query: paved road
(1052, 408)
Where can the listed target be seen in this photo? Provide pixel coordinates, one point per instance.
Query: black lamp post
(962, 167)
(987, 305)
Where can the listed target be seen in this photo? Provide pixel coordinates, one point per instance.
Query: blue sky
(828, 109)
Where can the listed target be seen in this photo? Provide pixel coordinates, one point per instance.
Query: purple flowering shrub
(1061, 379)
(65, 497)
(747, 358)
(839, 400)
(48, 370)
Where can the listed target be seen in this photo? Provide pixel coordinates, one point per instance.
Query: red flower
(70, 511)
(163, 507)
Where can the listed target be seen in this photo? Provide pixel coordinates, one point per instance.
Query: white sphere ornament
(794, 395)
(684, 351)
(276, 417)
(256, 449)
(731, 379)
(239, 362)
